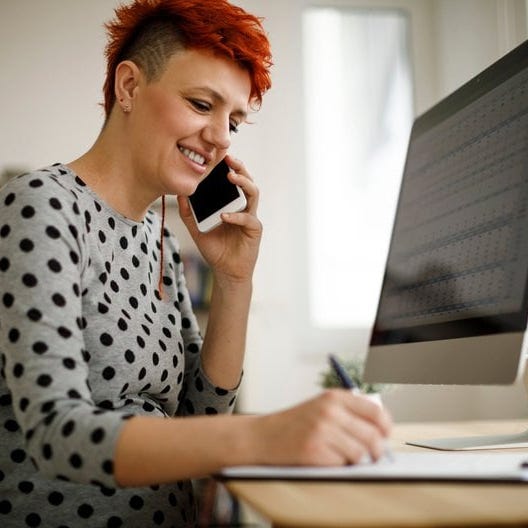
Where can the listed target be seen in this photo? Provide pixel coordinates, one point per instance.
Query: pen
(348, 383)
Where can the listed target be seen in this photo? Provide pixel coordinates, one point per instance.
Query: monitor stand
(509, 441)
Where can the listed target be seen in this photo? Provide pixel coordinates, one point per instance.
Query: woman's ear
(126, 81)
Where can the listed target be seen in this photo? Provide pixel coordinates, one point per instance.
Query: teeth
(194, 156)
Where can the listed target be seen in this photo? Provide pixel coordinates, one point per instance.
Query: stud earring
(124, 107)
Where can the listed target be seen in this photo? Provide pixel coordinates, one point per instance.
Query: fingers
(237, 166)
(246, 219)
(343, 428)
(360, 439)
(362, 424)
(351, 449)
(335, 428)
(371, 410)
(241, 177)
(249, 222)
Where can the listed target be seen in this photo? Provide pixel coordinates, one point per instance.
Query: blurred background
(327, 150)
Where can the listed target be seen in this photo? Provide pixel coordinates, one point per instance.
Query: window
(358, 108)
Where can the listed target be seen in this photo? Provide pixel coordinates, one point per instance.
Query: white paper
(404, 466)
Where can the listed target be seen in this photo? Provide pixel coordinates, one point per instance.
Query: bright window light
(358, 93)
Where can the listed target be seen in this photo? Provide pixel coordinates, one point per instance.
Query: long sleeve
(46, 364)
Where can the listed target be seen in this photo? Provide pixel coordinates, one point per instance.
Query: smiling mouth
(193, 156)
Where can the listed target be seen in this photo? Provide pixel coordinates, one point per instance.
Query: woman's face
(181, 124)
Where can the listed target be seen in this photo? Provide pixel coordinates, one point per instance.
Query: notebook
(438, 466)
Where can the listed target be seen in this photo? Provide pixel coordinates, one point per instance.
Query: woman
(104, 369)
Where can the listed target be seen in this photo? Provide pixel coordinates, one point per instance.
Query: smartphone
(216, 195)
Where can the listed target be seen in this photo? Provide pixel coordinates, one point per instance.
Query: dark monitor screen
(453, 303)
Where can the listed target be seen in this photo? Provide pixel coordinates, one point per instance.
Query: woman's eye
(200, 105)
(204, 107)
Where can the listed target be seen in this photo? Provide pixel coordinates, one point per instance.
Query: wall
(50, 55)
(52, 71)
(496, 26)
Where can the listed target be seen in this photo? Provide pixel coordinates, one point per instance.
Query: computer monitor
(454, 299)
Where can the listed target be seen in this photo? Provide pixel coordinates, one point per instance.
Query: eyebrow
(240, 113)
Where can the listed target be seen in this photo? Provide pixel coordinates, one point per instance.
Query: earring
(124, 107)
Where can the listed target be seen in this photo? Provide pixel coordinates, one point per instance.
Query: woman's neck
(107, 168)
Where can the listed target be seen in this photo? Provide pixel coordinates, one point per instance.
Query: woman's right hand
(336, 427)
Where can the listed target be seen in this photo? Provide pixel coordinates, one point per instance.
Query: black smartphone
(216, 195)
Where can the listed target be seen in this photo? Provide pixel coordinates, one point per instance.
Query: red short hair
(150, 31)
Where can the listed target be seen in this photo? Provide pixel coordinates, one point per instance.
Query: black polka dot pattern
(86, 341)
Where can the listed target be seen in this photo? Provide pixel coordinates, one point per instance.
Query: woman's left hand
(230, 249)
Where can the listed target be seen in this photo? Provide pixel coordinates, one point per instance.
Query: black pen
(348, 383)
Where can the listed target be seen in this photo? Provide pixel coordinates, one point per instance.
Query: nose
(218, 133)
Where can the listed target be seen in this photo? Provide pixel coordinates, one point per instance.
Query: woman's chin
(182, 188)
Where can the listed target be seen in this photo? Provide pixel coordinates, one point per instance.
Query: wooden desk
(392, 504)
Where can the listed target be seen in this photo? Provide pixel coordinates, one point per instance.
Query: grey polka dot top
(86, 341)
